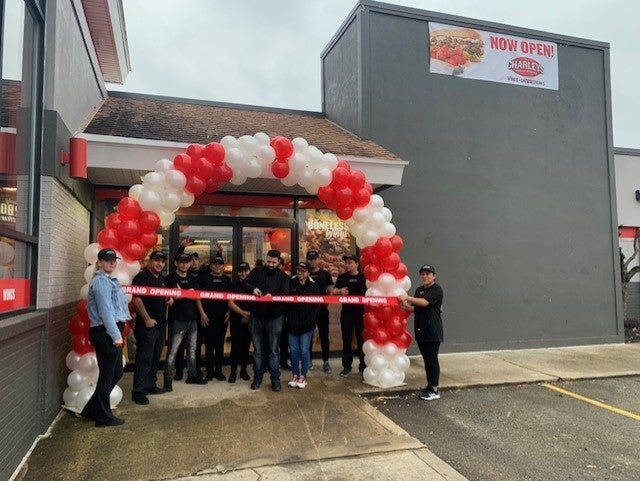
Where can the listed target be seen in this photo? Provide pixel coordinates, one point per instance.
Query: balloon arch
(132, 231)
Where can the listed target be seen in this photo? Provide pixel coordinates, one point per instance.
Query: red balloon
(204, 168)
(384, 312)
(148, 239)
(128, 208)
(77, 326)
(372, 272)
(396, 242)
(195, 185)
(281, 240)
(214, 152)
(183, 163)
(126, 330)
(367, 186)
(380, 336)
(340, 177)
(108, 238)
(81, 309)
(344, 164)
(371, 321)
(390, 263)
(367, 334)
(133, 251)
(343, 196)
(357, 179)
(222, 173)
(383, 247)
(113, 221)
(326, 194)
(367, 256)
(403, 341)
(361, 197)
(401, 271)
(283, 147)
(280, 169)
(394, 326)
(195, 151)
(81, 344)
(149, 221)
(129, 229)
(211, 187)
(344, 213)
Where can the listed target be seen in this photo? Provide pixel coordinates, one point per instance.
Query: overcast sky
(267, 53)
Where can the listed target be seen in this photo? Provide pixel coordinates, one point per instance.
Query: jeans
(300, 354)
(268, 330)
(182, 330)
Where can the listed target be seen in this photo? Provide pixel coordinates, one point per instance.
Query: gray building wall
(509, 191)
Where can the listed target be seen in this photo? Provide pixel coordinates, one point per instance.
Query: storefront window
(20, 132)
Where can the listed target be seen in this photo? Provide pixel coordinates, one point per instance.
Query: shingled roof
(183, 120)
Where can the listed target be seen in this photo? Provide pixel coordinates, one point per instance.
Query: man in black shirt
(426, 304)
(149, 330)
(212, 334)
(324, 281)
(351, 283)
(239, 327)
(267, 318)
(183, 315)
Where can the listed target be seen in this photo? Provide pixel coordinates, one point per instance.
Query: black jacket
(302, 315)
(275, 283)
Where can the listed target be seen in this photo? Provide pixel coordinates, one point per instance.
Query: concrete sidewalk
(225, 431)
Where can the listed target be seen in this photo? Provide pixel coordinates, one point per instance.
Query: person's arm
(102, 288)
(236, 308)
(149, 322)
(204, 319)
(414, 301)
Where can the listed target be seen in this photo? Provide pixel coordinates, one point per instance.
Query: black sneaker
(429, 394)
(209, 376)
(345, 372)
(276, 386)
(140, 399)
(168, 384)
(178, 376)
(256, 384)
(219, 376)
(244, 375)
(232, 377)
(111, 422)
(155, 390)
(196, 380)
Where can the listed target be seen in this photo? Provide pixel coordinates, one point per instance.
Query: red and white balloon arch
(132, 231)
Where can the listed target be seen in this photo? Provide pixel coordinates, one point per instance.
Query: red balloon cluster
(79, 327)
(383, 257)
(130, 230)
(385, 324)
(204, 167)
(283, 148)
(347, 191)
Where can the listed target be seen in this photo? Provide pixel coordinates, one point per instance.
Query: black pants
(322, 321)
(240, 342)
(212, 337)
(149, 343)
(284, 344)
(429, 351)
(348, 323)
(110, 364)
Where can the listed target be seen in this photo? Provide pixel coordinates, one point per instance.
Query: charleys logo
(527, 67)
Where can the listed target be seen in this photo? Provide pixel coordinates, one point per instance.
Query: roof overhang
(122, 161)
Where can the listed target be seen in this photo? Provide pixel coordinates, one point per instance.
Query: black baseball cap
(353, 257)
(313, 254)
(244, 266)
(427, 268)
(303, 266)
(158, 255)
(217, 260)
(107, 255)
(183, 257)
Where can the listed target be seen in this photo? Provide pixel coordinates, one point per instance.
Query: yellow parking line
(622, 412)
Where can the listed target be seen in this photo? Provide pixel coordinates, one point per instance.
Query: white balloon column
(132, 230)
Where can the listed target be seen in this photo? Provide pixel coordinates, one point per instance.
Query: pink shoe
(294, 381)
(302, 382)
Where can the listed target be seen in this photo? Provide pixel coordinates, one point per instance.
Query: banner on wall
(330, 236)
(481, 55)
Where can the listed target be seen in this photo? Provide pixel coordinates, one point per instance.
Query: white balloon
(398, 378)
(390, 350)
(266, 154)
(316, 158)
(134, 190)
(369, 347)
(400, 363)
(248, 144)
(166, 217)
(154, 181)
(313, 189)
(369, 375)
(77, 380)
(386, 378)
(150, 199)
(360, 216)
(368, 238)
(297, 163)
(253, 169)
(88, 362)
(93, 377)
(124, 359)
(386, 280)
(84, 291)
(238, 178)
(187, 200)
(235, 158)
(262, 138)
(306, 179)
(163, 165)
(378, 362)
(115, 397)
(69, 397)
(171, 200)
(376, 220)
(91, 253)
(330, 161)
(72, 360)
(374, 292)
(132, 268)
(386, 213)
(376, 201)
(83, 397)
(290, 180)
(299, 144)
(388, 230)
(229, 142)
(323, 177)
(175, 180)
(88, 273)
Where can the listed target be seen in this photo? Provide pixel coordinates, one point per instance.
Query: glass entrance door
(257, 241)
(209, 241)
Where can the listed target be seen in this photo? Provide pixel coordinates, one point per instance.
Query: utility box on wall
(510, 189)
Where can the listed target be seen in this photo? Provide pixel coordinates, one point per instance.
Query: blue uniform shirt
(107, 304)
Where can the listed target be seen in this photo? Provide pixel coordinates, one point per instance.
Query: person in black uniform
(183, 315)
(351, 283)
(212, 334)
(150, 329)
(324, 281)
(426, 305)
(284, 335)
(239, 326)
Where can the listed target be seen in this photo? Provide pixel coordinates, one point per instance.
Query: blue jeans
(300, 354)
(179, 331)
(268, 330)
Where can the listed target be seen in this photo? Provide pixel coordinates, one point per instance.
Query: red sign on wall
(14, 294)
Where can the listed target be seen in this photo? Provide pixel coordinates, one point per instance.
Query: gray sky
(267, 53)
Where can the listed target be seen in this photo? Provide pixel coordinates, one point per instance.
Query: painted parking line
(602, 405)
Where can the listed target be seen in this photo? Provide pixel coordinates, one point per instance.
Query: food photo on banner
(330, 236)
(133, 230)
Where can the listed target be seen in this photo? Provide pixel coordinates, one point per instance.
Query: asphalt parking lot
(530, 431)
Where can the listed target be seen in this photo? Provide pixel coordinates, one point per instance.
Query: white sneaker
(294, 381)
(302, 382)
